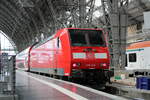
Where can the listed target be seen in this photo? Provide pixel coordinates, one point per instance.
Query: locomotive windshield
(86, 37)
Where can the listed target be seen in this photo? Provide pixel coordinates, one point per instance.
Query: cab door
(142, 60)
(55, 54)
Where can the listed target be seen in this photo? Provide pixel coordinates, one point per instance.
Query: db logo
(90, 55)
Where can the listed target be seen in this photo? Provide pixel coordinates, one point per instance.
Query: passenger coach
(137, 58)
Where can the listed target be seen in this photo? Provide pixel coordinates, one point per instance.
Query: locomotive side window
(86, 37)
(58, 42)
(132, 57)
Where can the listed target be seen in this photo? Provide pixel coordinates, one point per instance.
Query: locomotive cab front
(89, 52)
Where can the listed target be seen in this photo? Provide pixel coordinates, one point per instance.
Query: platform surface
(31, 86)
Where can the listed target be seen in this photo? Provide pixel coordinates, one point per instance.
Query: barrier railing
(7, 74)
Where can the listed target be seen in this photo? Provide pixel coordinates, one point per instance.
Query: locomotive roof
(58, 32)
(86, 28)
(139, 45)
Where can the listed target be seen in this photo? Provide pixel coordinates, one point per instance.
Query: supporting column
(53, 15)
(116, 24)
(82, 13)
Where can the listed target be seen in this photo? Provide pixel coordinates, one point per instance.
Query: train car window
(86, 37)
(126, 62)
(132, 57)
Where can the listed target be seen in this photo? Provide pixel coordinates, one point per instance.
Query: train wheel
(70, 79)
(56, 76)
(64, 78)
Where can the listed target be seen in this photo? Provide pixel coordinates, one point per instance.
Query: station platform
(31, 86)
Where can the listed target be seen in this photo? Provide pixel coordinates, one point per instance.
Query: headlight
(76, 64)
(103, 64)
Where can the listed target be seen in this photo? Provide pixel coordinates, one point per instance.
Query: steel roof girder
(4, 9)
(7, 19)
(19, 12)
(5, 22)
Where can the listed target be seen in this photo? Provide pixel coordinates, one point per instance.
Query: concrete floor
(36, 87)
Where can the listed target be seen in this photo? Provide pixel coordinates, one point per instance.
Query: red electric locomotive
(73, 53)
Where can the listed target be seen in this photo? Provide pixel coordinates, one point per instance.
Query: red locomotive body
(72, 52)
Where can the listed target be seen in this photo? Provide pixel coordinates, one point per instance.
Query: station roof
(25, 21)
